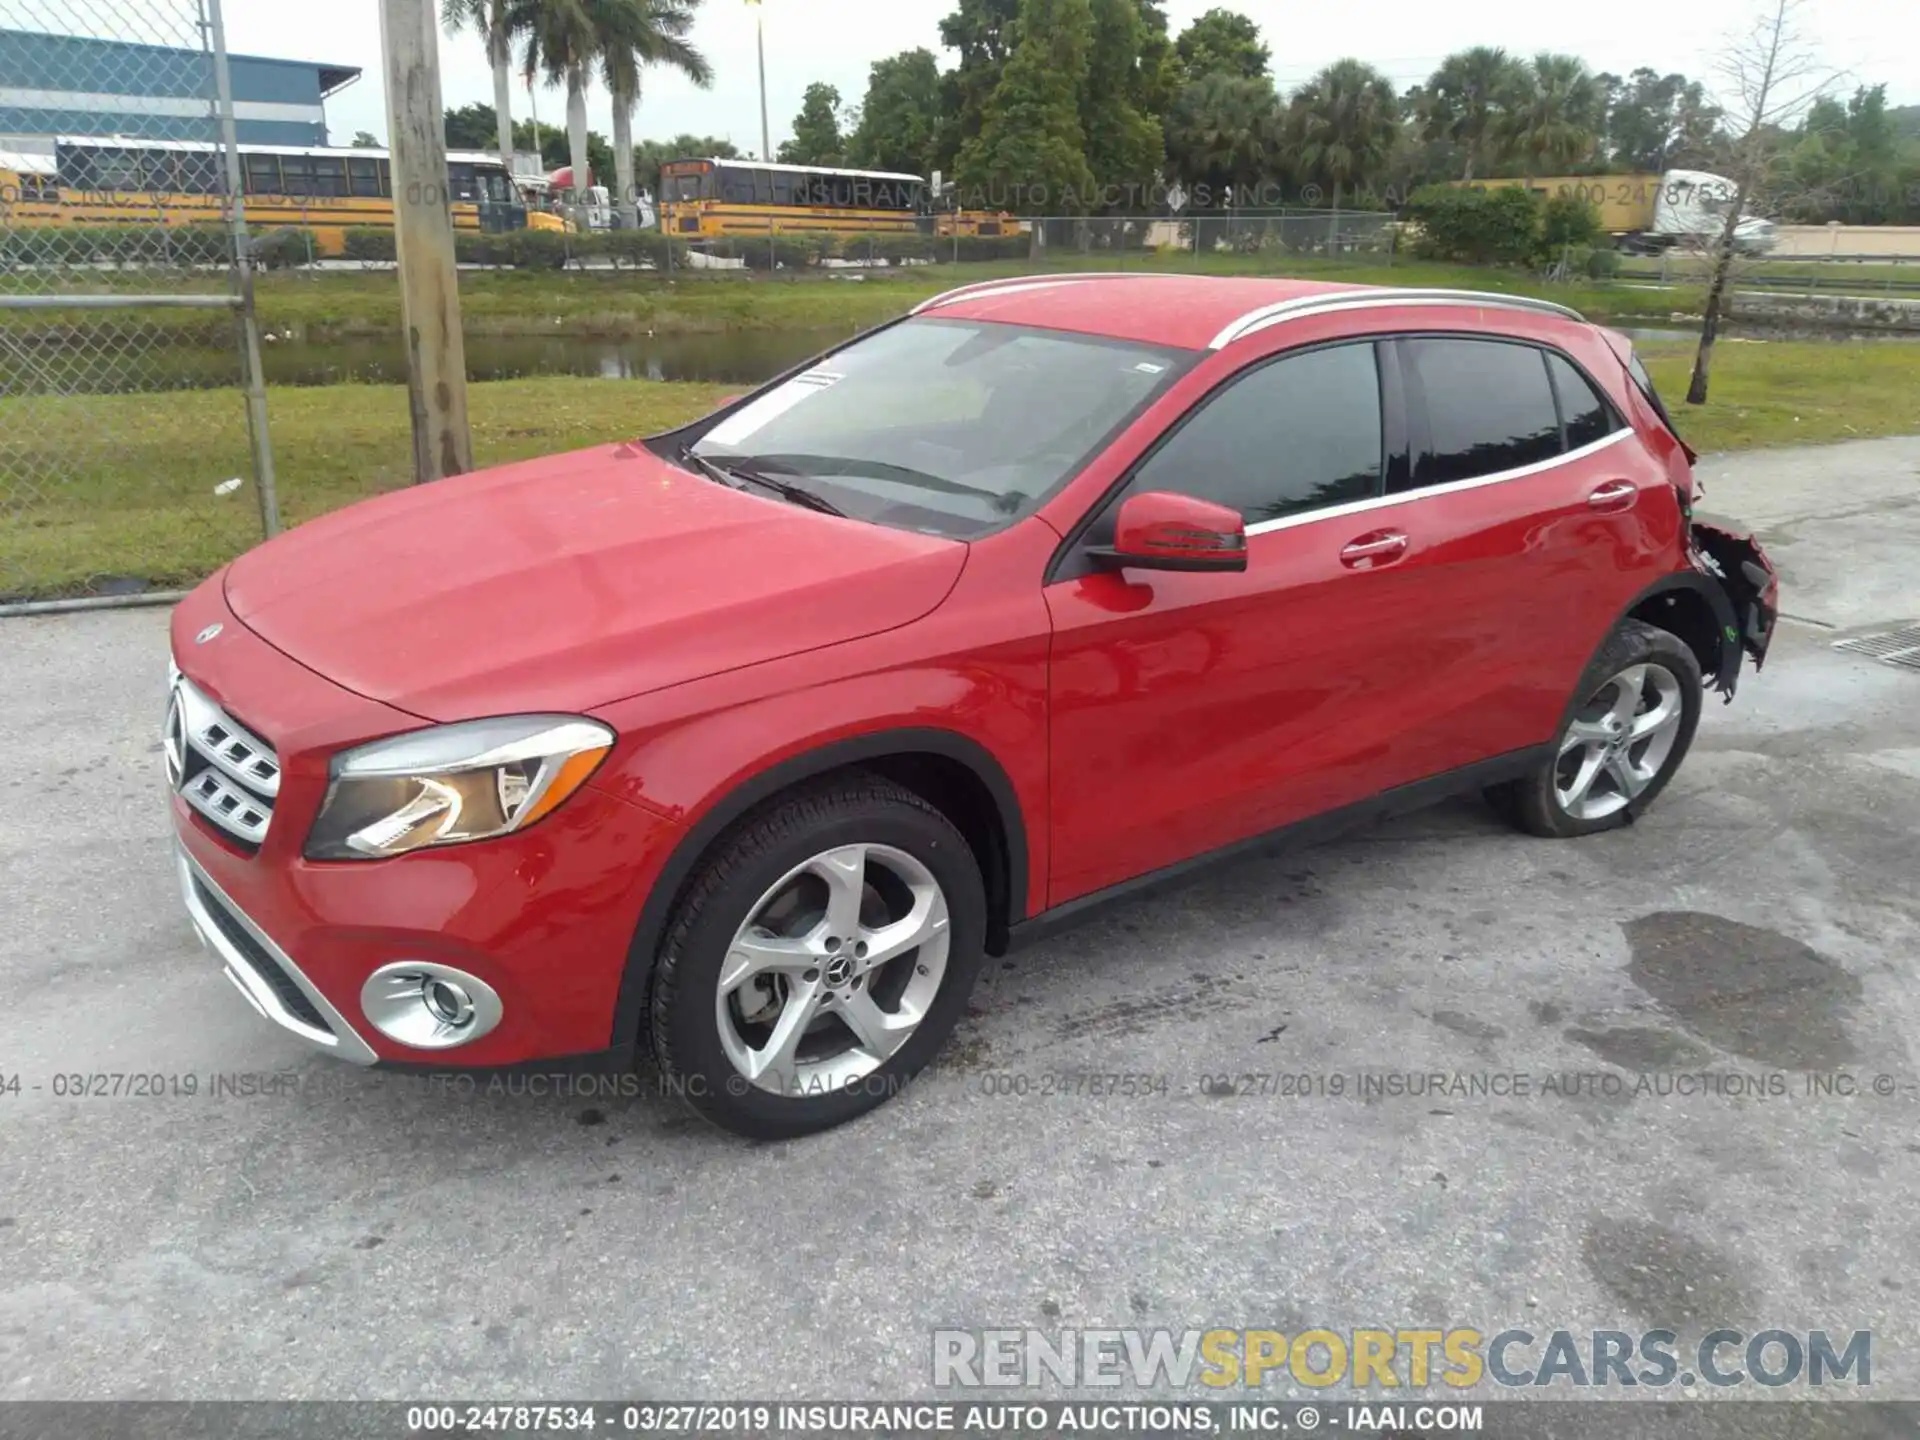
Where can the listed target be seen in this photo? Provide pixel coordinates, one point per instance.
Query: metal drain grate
(1891, 647)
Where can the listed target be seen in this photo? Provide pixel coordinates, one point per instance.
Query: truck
(1647, 213)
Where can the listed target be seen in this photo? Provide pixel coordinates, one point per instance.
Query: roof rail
(1013, 283)
(1371, 298)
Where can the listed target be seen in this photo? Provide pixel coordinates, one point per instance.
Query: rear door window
(1584, 411)
(1489, 407)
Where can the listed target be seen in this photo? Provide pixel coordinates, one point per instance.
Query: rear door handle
(1619, 495)
(1382, 547)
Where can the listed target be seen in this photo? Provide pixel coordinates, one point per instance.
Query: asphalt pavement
(297, 1228)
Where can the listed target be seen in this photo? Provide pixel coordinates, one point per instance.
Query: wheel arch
(1694, 607)
(956, 774)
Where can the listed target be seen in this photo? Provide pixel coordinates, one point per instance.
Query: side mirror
(1162, 531)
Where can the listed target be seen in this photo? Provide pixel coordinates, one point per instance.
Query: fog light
(428, 1006)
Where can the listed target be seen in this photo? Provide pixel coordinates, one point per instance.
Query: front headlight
(454, 783)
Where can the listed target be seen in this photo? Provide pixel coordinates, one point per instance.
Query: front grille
(256, 956)
(220, 768)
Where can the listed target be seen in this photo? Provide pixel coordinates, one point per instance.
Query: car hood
(574, 581)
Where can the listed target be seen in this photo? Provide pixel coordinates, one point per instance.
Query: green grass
(136, 474)
(1843, 277)
(133, 493)
(1778, 393)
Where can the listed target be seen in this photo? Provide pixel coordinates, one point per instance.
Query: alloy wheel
(833, 970)
(1618, 743)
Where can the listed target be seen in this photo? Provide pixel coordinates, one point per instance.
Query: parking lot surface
(356, 1234)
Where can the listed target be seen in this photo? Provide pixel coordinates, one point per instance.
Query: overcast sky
(836, 40)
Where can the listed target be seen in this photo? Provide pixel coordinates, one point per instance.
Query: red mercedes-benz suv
(740, 746)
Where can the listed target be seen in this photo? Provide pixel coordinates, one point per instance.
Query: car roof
(1186, 312)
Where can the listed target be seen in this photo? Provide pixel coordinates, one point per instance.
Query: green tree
(1848, 162)
(491, 20)
(365, 140)
(474, 127)
(900, 119)
(1125, 148)
(1030, 154)
(1654, 120)
(1343, 124)
(1224, 133)
(1224, 40)
(1160, 73)
(1467, 102)
(635, 36)
(1556, 118)
(982, 32)
(816, 130)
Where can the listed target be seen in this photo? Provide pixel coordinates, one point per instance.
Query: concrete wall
(1849, 240)
(1839, 311)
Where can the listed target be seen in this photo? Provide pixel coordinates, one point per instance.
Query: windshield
(951, 427)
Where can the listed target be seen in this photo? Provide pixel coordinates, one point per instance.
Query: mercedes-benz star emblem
(207, 634)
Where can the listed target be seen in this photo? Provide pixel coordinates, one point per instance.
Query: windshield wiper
(733, 473)
(886, 470)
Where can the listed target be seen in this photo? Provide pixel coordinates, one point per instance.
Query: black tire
(1532, 804)
(856, 808)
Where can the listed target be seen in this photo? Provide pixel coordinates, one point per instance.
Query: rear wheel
(819, 960)
(1622, 744)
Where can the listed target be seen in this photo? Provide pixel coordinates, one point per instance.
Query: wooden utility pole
(423, 231)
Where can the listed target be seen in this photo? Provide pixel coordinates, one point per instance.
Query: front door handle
(1619, 495)
(1381, 547)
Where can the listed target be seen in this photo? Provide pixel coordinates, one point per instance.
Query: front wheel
(1621, 745)
(819, 960)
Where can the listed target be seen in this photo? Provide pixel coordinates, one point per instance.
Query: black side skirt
(1311, 831)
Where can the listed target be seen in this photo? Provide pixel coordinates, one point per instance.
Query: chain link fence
(134, 457)
(1249, 242)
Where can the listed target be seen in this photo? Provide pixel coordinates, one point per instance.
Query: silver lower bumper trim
(343, 1041)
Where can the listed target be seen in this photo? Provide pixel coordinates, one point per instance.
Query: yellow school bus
(712, 199)
(125, 181)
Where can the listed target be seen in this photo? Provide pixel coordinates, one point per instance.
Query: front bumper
(264, 974)
(544, 918)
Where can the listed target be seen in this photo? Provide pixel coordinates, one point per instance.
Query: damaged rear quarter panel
(1740, 567)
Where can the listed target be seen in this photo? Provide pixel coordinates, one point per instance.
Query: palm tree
(1468, 98)
(633, 35)
(560, 42)
(1344, 123)
(1558, 114)
(1223, 133)
(489, 19)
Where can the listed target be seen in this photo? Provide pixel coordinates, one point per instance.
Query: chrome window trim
(1381, 502)
(345, 1042)
(1333, 302)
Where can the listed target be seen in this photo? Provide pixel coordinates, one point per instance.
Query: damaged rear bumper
(1741, 571)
